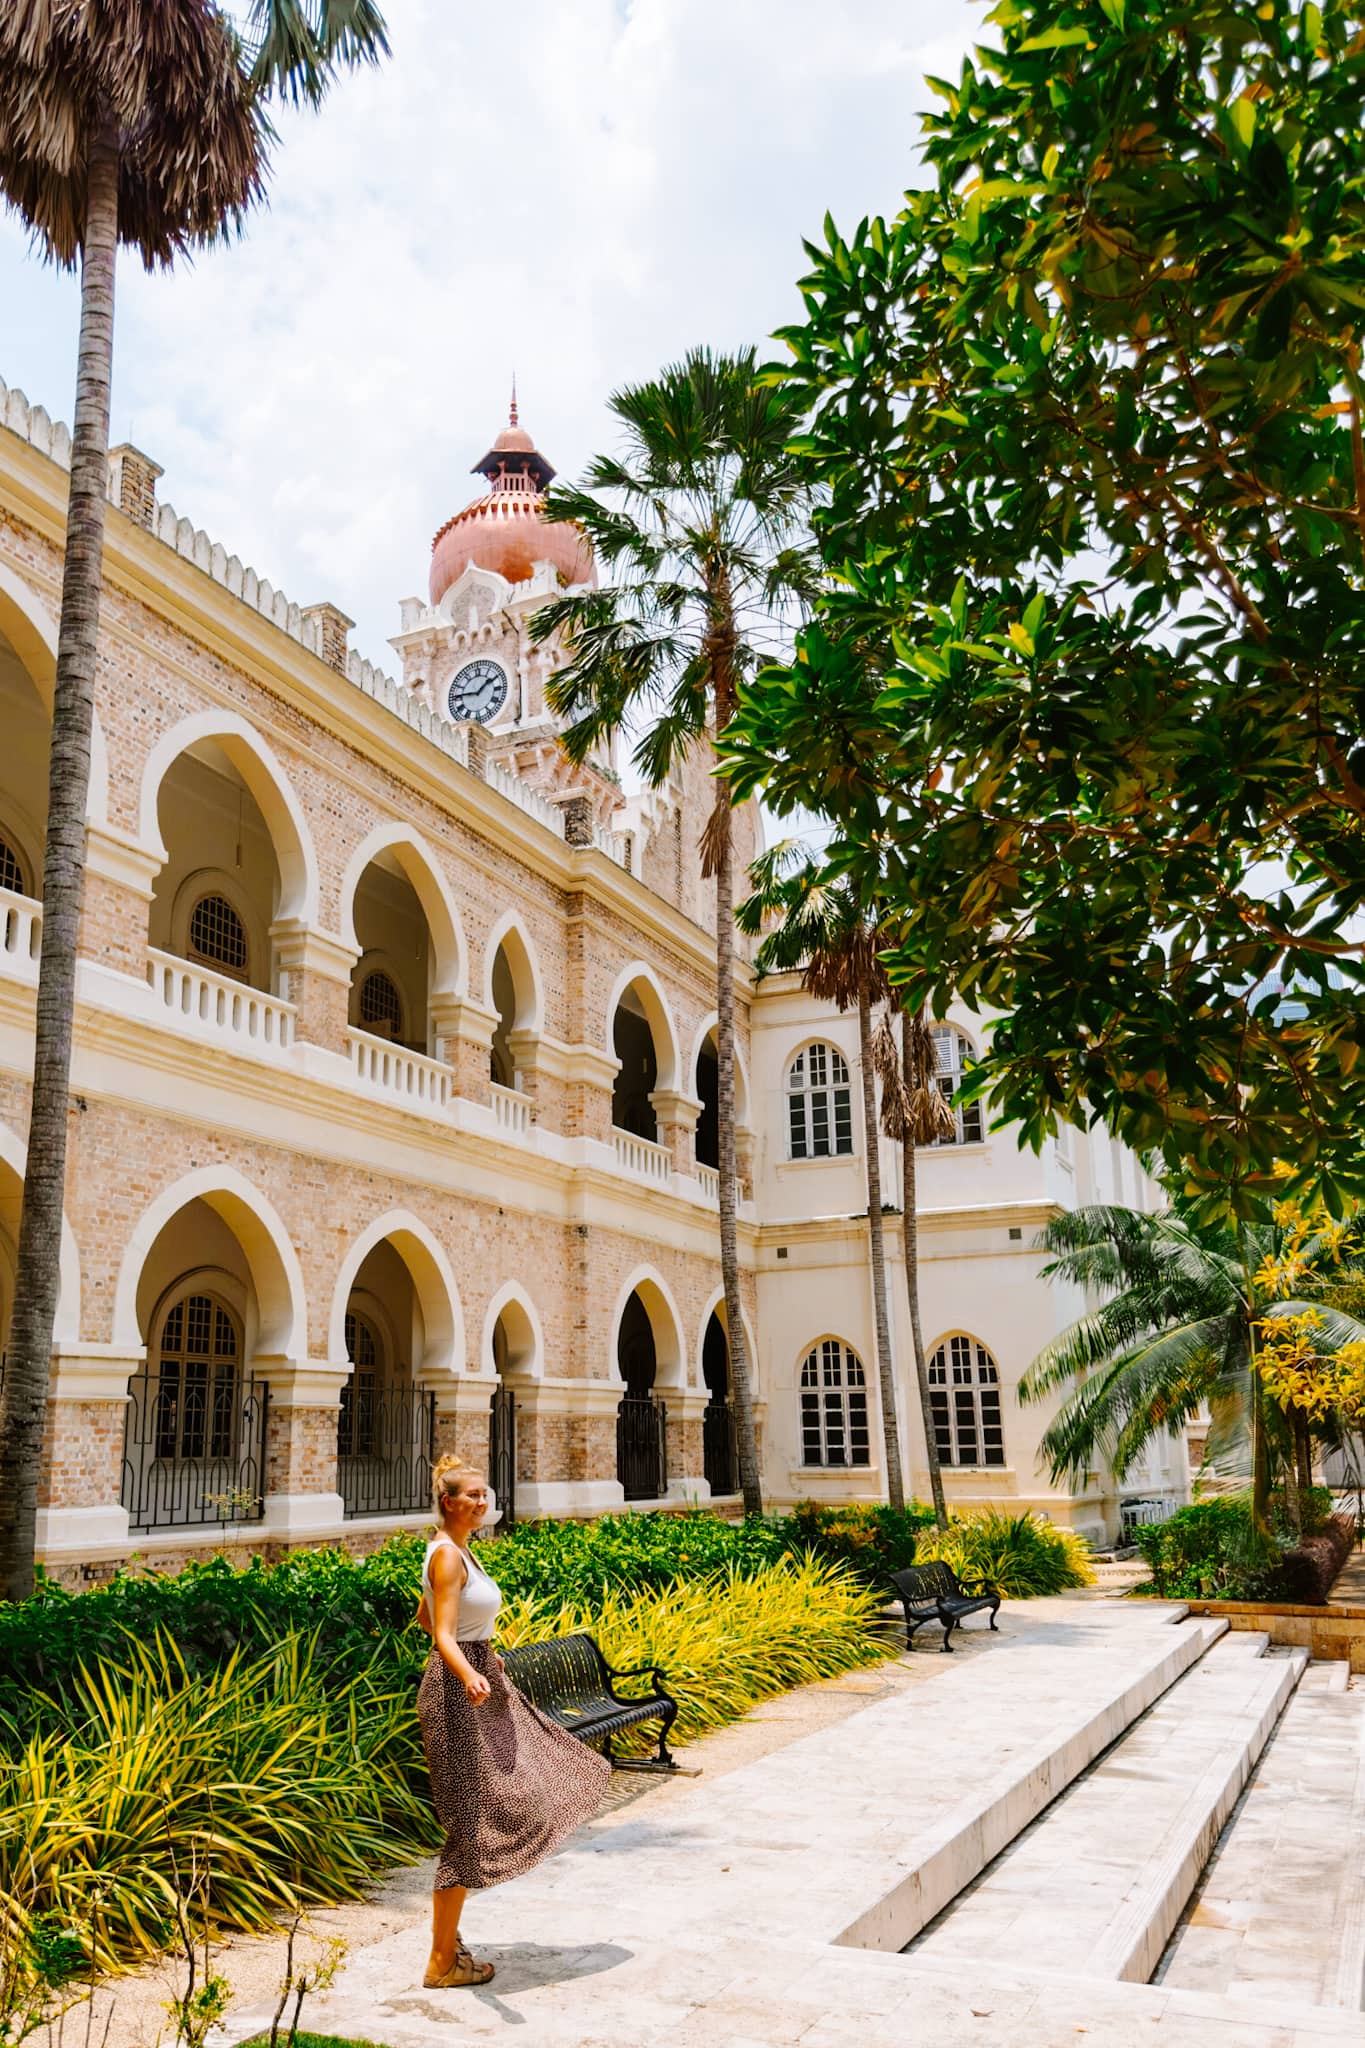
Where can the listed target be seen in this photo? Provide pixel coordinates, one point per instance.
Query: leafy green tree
(814, 924)
(147, 125)
(1084, 694)
(701, 521)
(1179, 1302)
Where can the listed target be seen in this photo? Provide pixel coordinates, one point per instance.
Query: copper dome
(504, 530)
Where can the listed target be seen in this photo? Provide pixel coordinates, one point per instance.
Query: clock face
(478, 691)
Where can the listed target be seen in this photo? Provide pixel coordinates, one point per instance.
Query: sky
(574, 191)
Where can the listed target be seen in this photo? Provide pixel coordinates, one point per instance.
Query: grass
(302, 2040)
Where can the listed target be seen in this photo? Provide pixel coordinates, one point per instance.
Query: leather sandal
(464, 1970)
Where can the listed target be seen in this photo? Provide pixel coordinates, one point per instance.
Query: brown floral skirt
(507, 1782)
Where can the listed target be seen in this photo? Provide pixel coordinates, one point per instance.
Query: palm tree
(701, 518)
(1175, 1326)
(823, 930)
(915, 1112)
(147, 124)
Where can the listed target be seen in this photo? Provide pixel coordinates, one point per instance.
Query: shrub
(1212, 1550)
(870, 1541)
(294, 1786)
(358, 1607)
(1025, 1556)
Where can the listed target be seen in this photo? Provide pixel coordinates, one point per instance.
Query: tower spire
(512, 411)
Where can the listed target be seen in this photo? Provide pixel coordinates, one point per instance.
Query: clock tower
(467, 652)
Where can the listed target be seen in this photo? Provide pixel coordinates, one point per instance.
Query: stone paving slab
(730, 1994)
(1098, 1883)
(710, 1914)
(1280, 1911)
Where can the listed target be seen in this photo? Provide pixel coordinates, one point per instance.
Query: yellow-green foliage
(724, 1641)
(1023, 1555)
(280, 1791)
(252, 1777)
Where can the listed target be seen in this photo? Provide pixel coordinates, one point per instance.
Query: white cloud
(578, 191)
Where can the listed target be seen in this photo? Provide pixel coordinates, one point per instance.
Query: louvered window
(819, 1108)
(964, 1400)
(953, 1053)
(833, 1406)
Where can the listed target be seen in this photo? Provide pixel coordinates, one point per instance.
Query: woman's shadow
(522, 1966)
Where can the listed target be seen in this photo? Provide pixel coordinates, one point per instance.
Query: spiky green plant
(1025, 1556)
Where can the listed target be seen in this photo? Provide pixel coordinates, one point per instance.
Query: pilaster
(80, 1472)
(315, 972)
(116, 899)
(464, 1039)
(678, 1113)
(301, 1444)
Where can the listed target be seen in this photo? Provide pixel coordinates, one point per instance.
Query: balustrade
(393, 1070)
(642, 1157)
(21, 934)
(511, 1111)
(196, 995)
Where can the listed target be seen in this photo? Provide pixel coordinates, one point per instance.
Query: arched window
(833, 1406)
(964, 1399)
(381, 1006)
(218, 935)
(196, 1380)
(11, 869)
(819, 1111)
(355, 1424)
(954, 1051)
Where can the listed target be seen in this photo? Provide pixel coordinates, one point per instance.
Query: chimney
(133, 476)
(578, 820)
(333, 627)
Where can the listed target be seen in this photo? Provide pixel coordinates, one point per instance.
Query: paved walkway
(1281, 1909)
(745, 1909)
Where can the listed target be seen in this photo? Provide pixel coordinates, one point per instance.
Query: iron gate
(385, 1441)
(642, 1448)
(194, 1447)
(718, 1447)
(502, 1451)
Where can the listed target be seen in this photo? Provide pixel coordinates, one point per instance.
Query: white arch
(521, 958)
(256, 1224)
(515, 1297)
(670, 1353)
(269, 785)
(716, 1306)
(67, 1326)
(703, 1032)
(420, 867)
(658, 1015)
(31, 630)
(433, 1283)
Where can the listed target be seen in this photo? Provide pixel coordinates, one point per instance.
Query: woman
(508, 1784)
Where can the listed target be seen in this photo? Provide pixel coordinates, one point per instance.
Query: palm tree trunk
(910, 1241)
(1303, 1451)
(741, 1382)
(886, 1378)
(23, 1401)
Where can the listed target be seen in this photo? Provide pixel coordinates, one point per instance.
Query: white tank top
(479, 1596)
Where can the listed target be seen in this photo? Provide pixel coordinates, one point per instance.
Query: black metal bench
(569, 1679)
(934, 1592)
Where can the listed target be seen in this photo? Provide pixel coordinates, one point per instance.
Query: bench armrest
(644, 1671)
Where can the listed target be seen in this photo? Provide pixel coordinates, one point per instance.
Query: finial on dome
(512, 413)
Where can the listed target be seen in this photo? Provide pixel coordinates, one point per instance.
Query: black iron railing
(194, 1446)
(385, 1441)
(719, 1464)
(502, 1452)
(642, 1449)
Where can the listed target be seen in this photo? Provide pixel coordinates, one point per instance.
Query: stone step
(1097, 1885)
(1280, 1911)
(1328, 1675)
